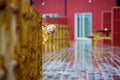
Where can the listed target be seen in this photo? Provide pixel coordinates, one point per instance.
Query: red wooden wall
(76, 6)
(116, 26)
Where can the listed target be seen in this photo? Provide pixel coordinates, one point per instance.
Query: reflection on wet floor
(83, 62)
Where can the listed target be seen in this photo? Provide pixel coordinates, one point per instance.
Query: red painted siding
(75, 6)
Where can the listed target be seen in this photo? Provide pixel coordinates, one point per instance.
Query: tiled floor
(83, 62)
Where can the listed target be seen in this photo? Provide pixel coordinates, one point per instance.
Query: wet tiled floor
(83, 62)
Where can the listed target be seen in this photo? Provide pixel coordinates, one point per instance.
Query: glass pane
(87, 25)
(78, 26)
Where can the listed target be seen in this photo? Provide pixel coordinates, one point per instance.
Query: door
(83, 25)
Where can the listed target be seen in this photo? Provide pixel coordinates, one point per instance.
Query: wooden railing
(59, 40)
(20, 41)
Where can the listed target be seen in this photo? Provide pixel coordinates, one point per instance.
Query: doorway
(83, 25)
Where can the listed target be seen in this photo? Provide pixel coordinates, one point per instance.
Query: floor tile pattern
(83, 62)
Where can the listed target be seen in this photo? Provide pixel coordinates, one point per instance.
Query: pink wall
(76, 6)
(55, 20)
(51, 6)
